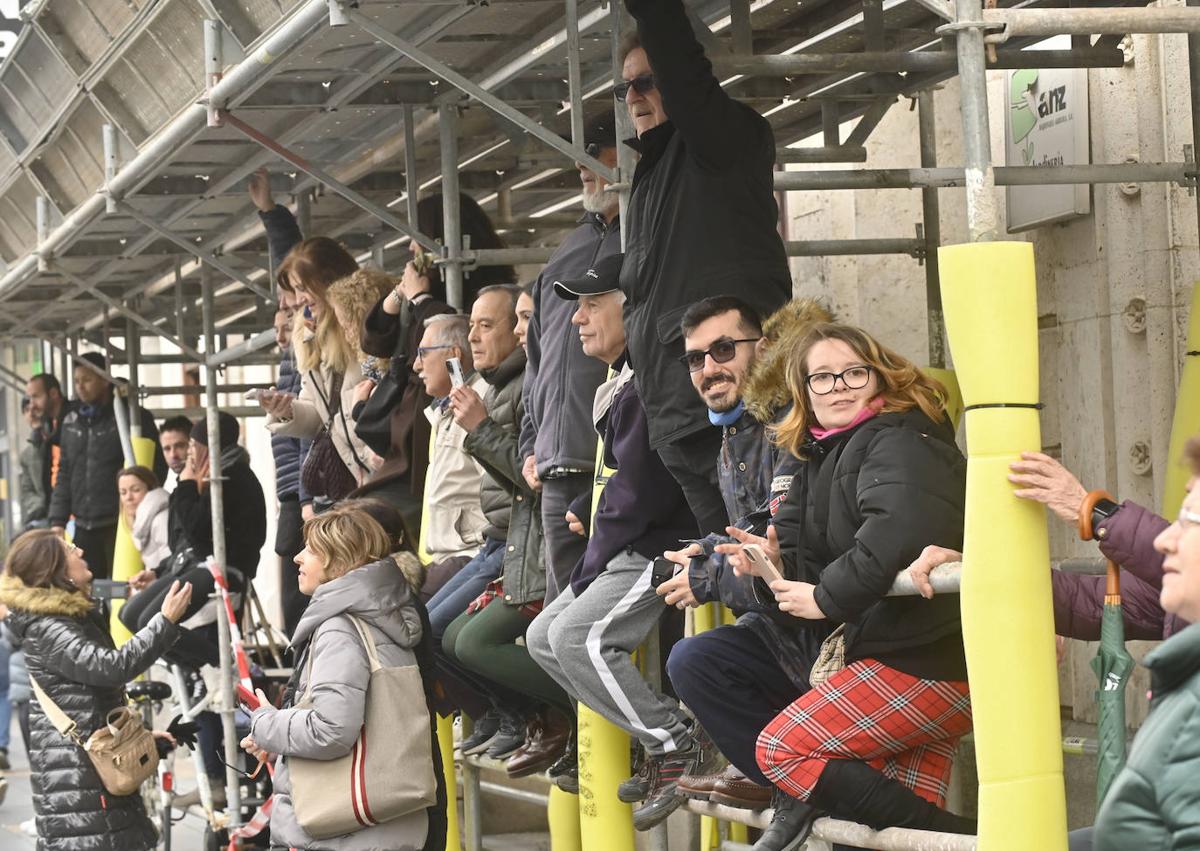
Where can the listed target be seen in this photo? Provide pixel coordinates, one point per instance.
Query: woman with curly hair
(880, 479)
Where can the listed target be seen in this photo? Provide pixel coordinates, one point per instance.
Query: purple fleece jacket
(1126, 538)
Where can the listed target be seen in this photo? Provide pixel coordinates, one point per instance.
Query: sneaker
(568, 780)
(569, 761)
(481, 735)
(634, 789)
(791, 823)
(192, 798)
(508, 738)
(663, 798)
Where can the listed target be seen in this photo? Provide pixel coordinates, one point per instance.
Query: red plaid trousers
(905, 727)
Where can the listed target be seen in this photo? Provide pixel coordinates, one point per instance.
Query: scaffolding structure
(128, 128)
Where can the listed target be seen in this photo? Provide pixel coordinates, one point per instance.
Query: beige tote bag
(389, 771)
(123, 751)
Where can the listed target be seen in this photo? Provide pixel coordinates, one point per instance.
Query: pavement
(186, 835)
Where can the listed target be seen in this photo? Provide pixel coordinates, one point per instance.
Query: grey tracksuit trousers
(585, 644)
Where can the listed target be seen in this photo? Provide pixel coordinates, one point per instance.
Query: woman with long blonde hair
(881, 479)
(338, 460)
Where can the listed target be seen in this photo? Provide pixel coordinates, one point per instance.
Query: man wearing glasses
(455, 520)
(702, 220)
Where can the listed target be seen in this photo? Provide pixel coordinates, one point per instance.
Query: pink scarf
(872, 408)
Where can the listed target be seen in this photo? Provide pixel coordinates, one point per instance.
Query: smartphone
(256, 394)
(760, 565)
(248, 698)
(457, 378)
(664, 569)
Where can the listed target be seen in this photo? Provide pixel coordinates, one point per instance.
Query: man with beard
(736, 365)
(558, 445)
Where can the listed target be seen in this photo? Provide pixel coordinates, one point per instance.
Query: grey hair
(453, 329)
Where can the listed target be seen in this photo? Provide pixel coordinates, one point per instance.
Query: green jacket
(1155, 801)
(504, 494)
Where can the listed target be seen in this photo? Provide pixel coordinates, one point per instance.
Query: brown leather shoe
(734, 789)
(546, 737)
(698, 787)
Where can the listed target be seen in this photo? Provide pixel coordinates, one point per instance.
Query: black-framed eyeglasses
(247, 774)
(641, 84)
(854, 378)
(423, 351)
(722, 350)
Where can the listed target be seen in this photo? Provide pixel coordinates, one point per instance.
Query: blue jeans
(5, 706)
(452, 599)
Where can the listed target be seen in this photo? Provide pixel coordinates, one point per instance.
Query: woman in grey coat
(70, 654)
(346, 569)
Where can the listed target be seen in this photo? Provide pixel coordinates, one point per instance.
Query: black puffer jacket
(91, 457)
(861, 508)
(70, 654)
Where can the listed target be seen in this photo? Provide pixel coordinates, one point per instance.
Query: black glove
(183, 731)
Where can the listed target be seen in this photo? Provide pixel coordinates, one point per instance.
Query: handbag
(324, 472)
(389, 771)
(373, 422)
(123, 751)
(831, 658)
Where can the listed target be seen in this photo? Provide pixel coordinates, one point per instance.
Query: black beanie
(229, 430)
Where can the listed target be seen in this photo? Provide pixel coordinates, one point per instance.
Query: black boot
(854, 791)
(790, 825)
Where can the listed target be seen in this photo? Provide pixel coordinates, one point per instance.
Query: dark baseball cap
(601, 278)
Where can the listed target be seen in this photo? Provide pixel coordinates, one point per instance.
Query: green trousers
(485, 643)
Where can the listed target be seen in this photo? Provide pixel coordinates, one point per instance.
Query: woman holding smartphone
(881, 479)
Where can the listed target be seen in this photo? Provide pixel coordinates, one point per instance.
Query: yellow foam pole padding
(126, 560)
(605, 823)
(445, 734)
(710, 836)
(1186, 423)
(563, 815)
(954, 400)
(989, 293)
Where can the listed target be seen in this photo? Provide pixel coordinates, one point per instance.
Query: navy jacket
(642, 508)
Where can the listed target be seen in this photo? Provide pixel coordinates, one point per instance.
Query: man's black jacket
(702, 217)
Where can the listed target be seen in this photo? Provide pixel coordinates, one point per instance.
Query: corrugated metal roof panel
(84, 29)
(34, 85)
(160, 73)
(72, 167)
(18, 219)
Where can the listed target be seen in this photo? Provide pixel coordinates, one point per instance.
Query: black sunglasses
(641, 84)
(721, 351)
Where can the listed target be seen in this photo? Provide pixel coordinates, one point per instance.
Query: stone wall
(1114, 286)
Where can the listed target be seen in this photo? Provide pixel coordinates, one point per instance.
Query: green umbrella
(1112, 665)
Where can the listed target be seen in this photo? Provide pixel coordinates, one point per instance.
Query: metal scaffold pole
(451, 221)
(932, 232)
(216, 489)
(982, 215)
